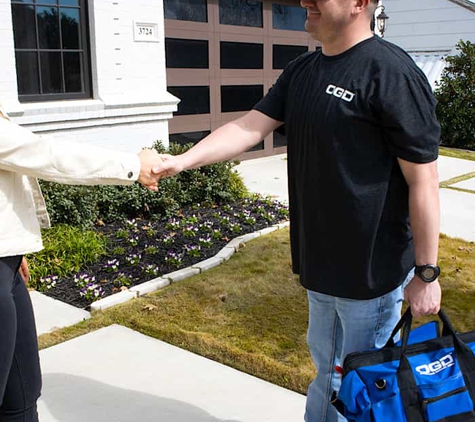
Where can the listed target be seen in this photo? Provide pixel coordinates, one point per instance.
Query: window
(240, 97)
(239, 55)
(191, 54)
(240, 13)
(288, 17)
(51, 52)
(279, 139)
(188, 137)
(282, 54)
(194, 99)
(186, 10)
(258, 147)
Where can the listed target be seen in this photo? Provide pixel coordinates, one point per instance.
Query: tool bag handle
(406, 319)
(406, 381)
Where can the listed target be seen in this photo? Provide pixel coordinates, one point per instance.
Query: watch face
(429, 273)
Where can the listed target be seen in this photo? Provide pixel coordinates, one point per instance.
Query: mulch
(145, 237)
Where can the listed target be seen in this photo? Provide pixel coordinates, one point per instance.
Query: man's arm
(224, 143)
(424, 298)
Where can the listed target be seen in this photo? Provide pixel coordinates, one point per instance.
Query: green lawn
(458, 153)
(251, 312)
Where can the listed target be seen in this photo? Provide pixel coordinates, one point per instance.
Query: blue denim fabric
(340, 326)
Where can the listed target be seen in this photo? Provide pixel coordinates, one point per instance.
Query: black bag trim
(462, 417)
(356, 360)
(405, 377)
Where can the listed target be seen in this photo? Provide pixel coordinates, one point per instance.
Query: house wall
(216, 76)
(130, 107)
(428, 25)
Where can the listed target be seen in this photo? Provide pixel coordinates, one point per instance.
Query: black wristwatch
(427, 272)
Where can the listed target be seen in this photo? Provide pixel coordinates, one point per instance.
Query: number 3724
(143, 30)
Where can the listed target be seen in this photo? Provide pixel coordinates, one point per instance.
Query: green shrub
(66, 250)
(83, 206)
(74, 205)
(456, 97)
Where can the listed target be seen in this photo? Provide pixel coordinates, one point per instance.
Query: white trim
(75, 114)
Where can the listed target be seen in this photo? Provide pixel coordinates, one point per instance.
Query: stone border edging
(165, 280)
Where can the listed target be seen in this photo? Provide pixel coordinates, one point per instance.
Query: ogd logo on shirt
(338, 92)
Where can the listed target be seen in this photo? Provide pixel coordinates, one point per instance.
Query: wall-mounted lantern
(381, 20)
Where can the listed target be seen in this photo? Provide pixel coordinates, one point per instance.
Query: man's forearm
(229, 141)
(225, 143)
(424, 213)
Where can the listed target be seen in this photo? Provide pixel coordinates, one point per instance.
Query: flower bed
(140, 250)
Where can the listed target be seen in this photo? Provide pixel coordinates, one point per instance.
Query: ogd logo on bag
(436, 366)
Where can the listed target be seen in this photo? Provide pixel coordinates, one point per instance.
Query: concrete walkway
(118, 375)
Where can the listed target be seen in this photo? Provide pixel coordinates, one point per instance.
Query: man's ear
(361, 6)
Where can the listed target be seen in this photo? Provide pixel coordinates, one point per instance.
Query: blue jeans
(337, 327)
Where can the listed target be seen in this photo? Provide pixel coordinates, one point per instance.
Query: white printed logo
(436, 366)
(338, 92)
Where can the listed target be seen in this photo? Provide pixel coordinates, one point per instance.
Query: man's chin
(309, 27)
(311, 30)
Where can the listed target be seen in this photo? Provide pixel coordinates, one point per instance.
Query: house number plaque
(146, 32)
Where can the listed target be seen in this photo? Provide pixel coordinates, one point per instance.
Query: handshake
(154, 166)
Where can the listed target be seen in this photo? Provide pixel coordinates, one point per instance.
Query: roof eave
(465, 3)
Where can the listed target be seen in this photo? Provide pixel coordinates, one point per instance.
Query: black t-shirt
(347, 120)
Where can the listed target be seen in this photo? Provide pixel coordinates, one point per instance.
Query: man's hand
(149, 159)
(423, 298)
(170, 166)
(24, 271)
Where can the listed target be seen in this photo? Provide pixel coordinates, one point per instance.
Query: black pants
(20, 376)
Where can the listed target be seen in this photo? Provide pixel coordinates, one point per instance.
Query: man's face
(326, 18)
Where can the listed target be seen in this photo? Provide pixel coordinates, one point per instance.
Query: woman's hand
(24, 270)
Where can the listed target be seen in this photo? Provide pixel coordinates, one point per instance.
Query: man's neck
(333, 47)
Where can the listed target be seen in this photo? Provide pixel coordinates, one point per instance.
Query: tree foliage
(456, 98)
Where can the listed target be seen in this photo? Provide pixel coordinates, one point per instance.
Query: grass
(457, 153)
(457, 179)
(66, 250)
(251, 312)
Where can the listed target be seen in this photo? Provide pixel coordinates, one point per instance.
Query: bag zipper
(426, 402)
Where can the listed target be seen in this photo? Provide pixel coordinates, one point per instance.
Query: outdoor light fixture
(381, 20)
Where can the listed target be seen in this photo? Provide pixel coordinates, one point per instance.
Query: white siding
(428, 25)
(432, 64)
(130, 107)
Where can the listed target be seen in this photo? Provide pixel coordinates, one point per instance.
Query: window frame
(83, 50)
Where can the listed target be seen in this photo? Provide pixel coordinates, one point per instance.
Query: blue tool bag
(426, 377)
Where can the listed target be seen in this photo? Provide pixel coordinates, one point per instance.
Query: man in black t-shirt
(363, 186)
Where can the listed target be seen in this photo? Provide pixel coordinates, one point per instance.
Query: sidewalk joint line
(457, 179)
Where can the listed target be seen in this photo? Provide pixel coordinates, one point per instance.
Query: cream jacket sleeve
(23, 152)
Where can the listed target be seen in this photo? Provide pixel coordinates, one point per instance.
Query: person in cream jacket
(25, 157)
